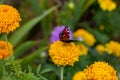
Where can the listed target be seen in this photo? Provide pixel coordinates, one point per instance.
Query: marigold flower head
(100, 48)
(82, 48)
(113, 47)
(9, 19)
(107, 5)
(63, 54)
(100, 71)
(79, 76)
(4, 49)
(87, 37)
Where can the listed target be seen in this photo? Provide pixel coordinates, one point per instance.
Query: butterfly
(64, 35)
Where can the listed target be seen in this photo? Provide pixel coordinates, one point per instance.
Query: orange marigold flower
(86, 36)
(113, 47)
(9, 19)
(4, 49)
(100, 48)
(100, 71)
(63, 54)
(107, 5)
(83, 49)
(79, 76)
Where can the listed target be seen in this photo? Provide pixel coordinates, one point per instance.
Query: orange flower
(113, 47)
(4, 52)
(86, 36)
(100, 48)
(107, 5)
(79, 76)
(9, 19)
(63, 54)
(100, 71)
(82, 48)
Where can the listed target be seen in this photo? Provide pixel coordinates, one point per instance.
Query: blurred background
(39, 17)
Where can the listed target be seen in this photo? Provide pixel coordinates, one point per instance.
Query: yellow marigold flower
(82, 48)
(63, 54)
(107, 5)
(4, 49)
(100, 48)
(87, 37)
(79, 76)
(113, 47)
(100, 71)
(9, 19)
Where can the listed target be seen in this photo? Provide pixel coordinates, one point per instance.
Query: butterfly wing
(65, 35)
(69, 41)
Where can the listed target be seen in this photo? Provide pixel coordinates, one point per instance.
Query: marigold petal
(113, 47)
(4, 49)
(100, 48)
(63, 53)
(9, 19)
(87, 37)
(79, 76)
(100, 71)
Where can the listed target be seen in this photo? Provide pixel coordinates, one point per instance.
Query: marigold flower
(87, 37)
(100, 48)
(79, 76)
(4, 49)
(63, 54)
(107, 5)
(55, 33)
(9, 19)
(113, 47)
(100, 71)
(82, 48)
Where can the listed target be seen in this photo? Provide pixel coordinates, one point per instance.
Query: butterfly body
(65, 35)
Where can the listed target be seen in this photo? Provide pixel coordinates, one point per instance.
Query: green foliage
(23, 47)
(31, 61)
(23, 30)
(16, 73)
(1, 1)
(110, 21)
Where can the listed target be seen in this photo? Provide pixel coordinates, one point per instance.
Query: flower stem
(62, 72)
(7, 44)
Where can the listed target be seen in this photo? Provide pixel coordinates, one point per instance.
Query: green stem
(7, 44)
(62, 72)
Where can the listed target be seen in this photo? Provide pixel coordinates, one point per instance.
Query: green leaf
(35, 6)
(29, 69)
(81, 7)
(23, 47)
(46, 70)
(24, 29)
(2, 37)
(38, 69)
(2, 1)
(102, 38)
(43, 78)
(33, 55)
